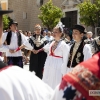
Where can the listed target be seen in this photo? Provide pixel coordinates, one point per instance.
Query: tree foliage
(50, 14)
(90, 13)
(5, 22)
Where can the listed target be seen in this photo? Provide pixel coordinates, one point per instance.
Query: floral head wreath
(38, 26)
(60, 26)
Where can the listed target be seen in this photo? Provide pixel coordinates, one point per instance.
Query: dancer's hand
(35, 51)
(12, 51)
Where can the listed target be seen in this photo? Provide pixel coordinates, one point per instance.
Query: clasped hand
(35, 51)
(12, 51)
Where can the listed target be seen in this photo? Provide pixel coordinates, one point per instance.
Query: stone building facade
(26, 12)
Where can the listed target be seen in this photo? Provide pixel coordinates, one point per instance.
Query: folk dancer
(13, 40)
(37, 60)
(79, 50)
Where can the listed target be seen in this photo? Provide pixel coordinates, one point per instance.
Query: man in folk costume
(13, 40)
(37, 60)
(79, 51)
(19, 84)
(76, 84)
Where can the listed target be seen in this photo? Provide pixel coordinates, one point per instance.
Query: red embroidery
(63, 85)
(5, 68)
(52, 54)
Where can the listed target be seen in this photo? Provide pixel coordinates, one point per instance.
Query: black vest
(79, 57)
(9, 35)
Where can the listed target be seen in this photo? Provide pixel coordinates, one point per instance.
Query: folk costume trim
(78, 57)
(17, 49)
(83, 80)
(37, 40)
(5, 67)
(52, 49)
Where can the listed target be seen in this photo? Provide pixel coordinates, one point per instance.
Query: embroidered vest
(78, 55)
(9, 35)
(38, 44)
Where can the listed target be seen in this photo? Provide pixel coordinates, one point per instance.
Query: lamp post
(1, 24)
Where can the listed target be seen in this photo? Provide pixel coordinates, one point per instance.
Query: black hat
(80, 28)
(5, 11)
(13, 22)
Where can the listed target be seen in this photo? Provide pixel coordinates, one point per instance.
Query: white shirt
(19, 84)
(14, 44)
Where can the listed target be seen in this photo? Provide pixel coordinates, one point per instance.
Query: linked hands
(19, 48)
(35, 51)
(12, 51)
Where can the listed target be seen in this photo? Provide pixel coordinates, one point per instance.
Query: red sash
(52, 54)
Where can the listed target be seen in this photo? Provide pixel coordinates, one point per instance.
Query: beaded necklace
(55, 45)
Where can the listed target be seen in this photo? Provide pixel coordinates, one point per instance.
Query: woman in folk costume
(55, 65)
(79, 51)
(37, 60)
(76, 85)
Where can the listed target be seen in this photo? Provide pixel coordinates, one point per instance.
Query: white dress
(55, 67)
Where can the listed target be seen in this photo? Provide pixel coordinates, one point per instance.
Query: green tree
(50, 15)
(6, 21)
(90, 13)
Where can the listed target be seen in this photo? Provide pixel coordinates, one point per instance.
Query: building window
(39, 2)
(24, 15)
(70, 20)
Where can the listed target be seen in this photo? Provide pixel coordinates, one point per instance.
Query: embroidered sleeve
(68, 92)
